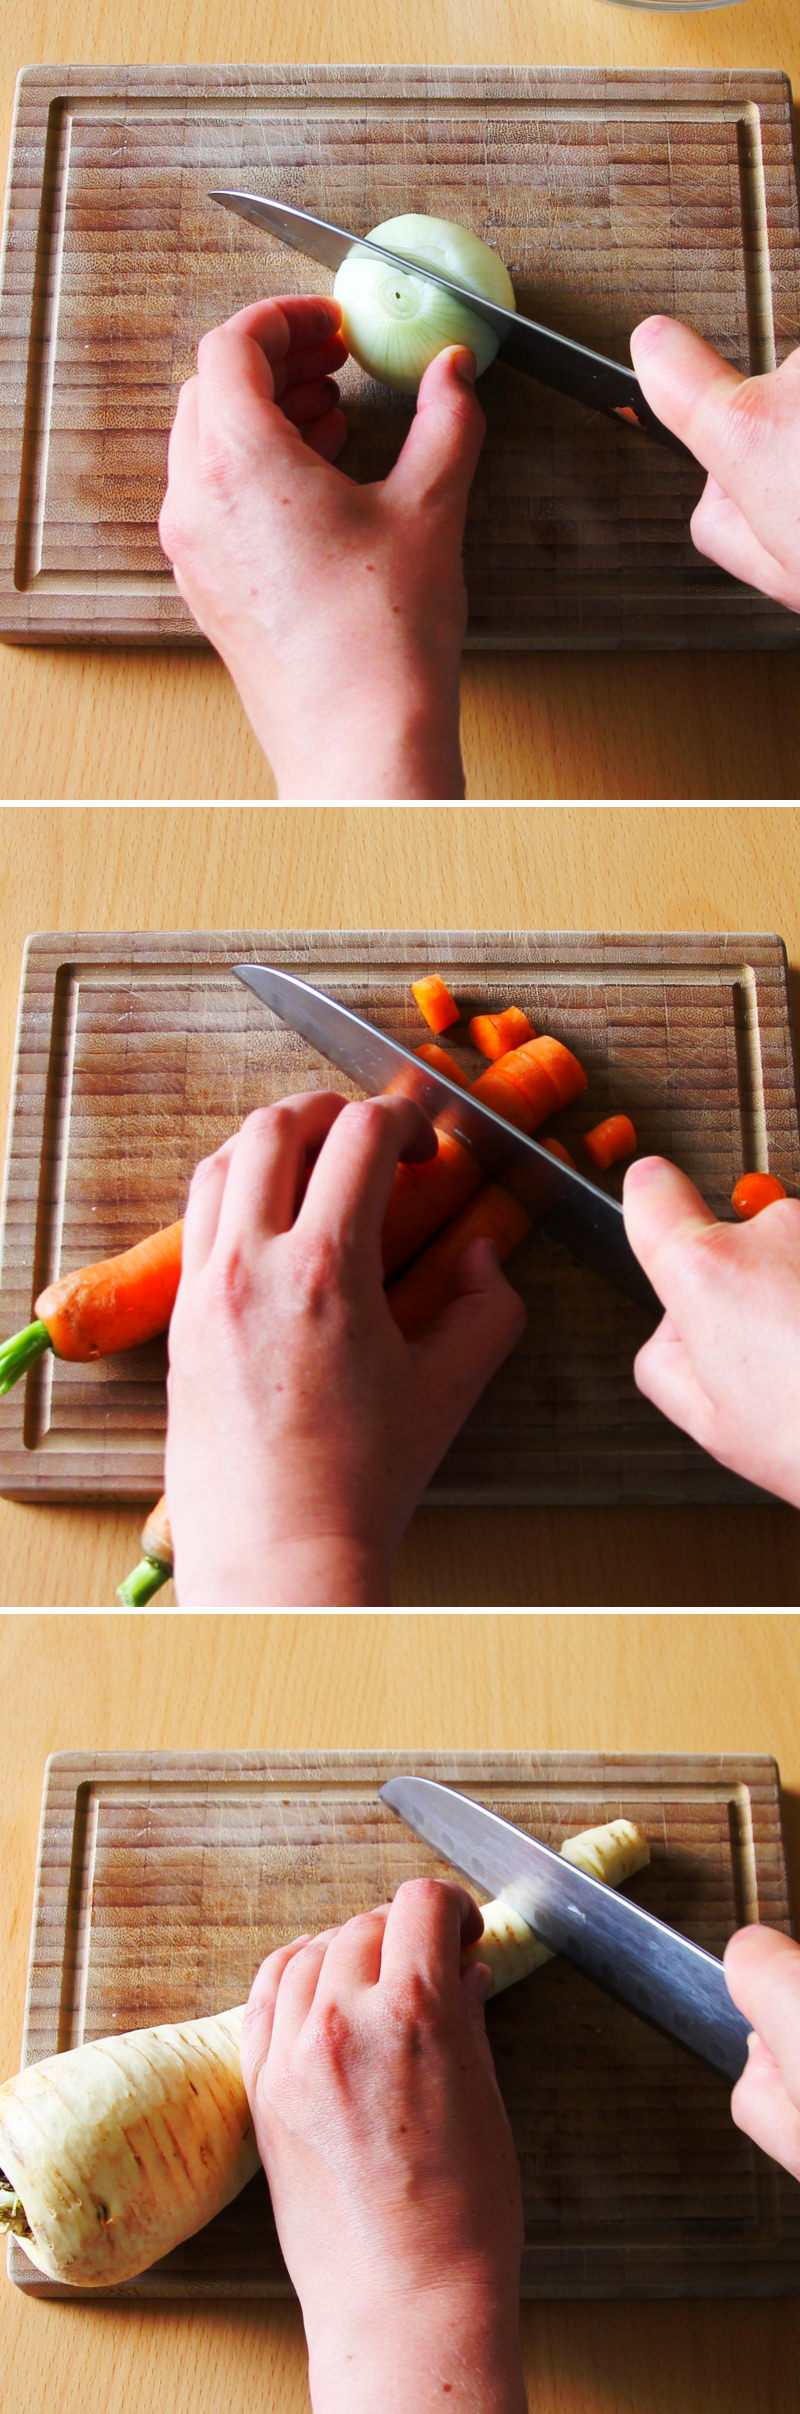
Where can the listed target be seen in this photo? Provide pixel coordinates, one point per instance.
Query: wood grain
(608, 194)
(650, 1684)
(163, 1879)
(139, 1055)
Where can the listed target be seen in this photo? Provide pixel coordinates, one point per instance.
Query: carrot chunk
(531, 1083)
(442, 1062)
(555, 1148)
(753, 1191)
(428, 1286)
(495, 1034)
(614, 1137)
(435, 1002)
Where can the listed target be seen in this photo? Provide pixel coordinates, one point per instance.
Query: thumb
(665, 1218)
(692, 389)
(440, 455)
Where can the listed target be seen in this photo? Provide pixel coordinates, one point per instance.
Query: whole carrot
(101, 1308)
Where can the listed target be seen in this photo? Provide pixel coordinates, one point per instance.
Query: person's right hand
(725, 1360)
(762, 1968)
(746, 432)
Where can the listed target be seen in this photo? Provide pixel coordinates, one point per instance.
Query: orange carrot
(495, 1034)
(614, 1137)
(442, 1062)
(555, 1148)
(105, 1307)
(423, 1197)
(435, 1002)
(531, 1082)
(427, 1287)
(754, 1191)
(155, 1568)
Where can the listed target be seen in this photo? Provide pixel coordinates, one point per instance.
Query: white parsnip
(122, 2148)
(511, 1948)
(112, 2154)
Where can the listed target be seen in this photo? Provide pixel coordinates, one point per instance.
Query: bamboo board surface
(138, 1054)
(609, 193)
(163, 1879)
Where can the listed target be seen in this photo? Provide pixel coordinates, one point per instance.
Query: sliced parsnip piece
(122, 2148)
(510, 1947)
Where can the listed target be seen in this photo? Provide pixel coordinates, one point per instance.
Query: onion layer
(395, 323)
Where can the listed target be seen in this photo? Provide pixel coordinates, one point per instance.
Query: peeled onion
(395, 323)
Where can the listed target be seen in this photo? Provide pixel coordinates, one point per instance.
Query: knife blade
(659, 1974)
(556, 360)
(570, 1208)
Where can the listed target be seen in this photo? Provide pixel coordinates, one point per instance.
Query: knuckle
(230, 1284)
(316, 1269)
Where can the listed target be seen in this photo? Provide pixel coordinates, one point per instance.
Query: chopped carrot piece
(555, 1148)
(435, 1002)
(442, 1063)
(753, 1191)
(495, 1034)
(614, 1137)
(531, 1083)
(423, 1197)
(428, 1286)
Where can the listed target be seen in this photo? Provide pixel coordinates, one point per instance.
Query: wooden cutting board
(164, 1879)
(139, 1053)
(609, 194)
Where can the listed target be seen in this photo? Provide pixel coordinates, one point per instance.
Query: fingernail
(644, 1170)
(465, 366)
(650, 331)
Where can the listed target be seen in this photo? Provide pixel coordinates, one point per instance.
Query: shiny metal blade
(570, 1208)
(659, 1974)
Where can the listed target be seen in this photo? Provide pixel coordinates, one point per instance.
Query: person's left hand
(762, 1968)
(302, 1427)
(339, 609)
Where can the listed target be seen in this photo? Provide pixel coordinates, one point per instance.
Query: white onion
(394, 323)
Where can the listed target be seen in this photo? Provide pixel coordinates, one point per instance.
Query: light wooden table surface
(587, 869)
(640, 1684)
(116, 724)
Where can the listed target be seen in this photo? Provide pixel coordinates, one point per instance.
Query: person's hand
(746, 432)
(389, 2158)
(302, 1428)
(762, 1969)
(725, 1361)
(340, 610)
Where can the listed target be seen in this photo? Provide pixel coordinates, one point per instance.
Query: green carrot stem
(22, 1351)
(142, 1583)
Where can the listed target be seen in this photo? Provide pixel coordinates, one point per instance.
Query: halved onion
(394, 323)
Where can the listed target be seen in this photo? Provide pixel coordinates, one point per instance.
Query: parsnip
(112, 2154)
(122, 2148)
(510, 1947)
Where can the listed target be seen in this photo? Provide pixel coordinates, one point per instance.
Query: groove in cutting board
(138, 1054)
(163, 1879)
(610, 195)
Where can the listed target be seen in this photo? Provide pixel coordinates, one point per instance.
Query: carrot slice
(531, 1083)
(435, 1002)
(495, 1034)
(754, 1191)
(555, 1148)
(614, 1137)
(565, 1070)
(442, 1062)
(428, 1286)
(423, 1197)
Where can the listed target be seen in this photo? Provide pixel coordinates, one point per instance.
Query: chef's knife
(557, 360)
(571, 1208)
(659, 1974)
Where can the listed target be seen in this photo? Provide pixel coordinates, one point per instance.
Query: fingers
(353, 1958)
(437, 465)
(267, 1165)
(743, 429)
(302, 404)
(665, 1217)
(237, 365)
(206, 1191)
(761, 2107)
(327, 435)
(259, 2010)
(467, 1344)
(762, 1969)
(348, 1192)
(664, 1373)
(426, 1927)
(720, 531)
